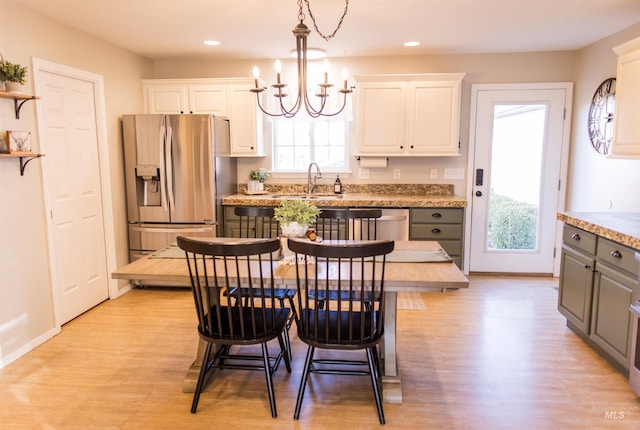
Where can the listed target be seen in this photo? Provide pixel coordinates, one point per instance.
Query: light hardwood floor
(495, 356)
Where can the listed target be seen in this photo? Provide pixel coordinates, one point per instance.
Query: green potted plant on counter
(257, 178)
(295, 217)
(13, 75)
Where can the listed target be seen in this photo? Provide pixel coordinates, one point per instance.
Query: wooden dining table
(413, 266)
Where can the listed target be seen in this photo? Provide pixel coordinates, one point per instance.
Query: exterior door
(73, 185)
(519, 135)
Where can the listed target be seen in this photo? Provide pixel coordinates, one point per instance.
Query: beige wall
(597, 183)
(26, 302)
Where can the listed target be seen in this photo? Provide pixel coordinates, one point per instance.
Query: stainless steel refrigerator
(177, 170)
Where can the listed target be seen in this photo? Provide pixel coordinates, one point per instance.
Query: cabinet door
(381, 118)
(166, 99)
(626, 139)
(576, 285)
(208, 99)
(433, 117)
(246, 122)
(611, 321)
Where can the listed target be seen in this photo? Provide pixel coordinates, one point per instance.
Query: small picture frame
(19, 141)
(4, 143)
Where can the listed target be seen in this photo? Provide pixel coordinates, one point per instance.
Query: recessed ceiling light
(211, 42)
(312, 54)
(412, 43)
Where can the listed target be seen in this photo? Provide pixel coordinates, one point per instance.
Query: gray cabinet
(576, 287)
(444, 225)
(597, 284)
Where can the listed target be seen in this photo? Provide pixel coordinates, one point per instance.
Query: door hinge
(564, 114)
(559, 184)
(554, 252)
(51, 214)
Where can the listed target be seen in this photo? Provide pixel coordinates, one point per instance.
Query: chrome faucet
(311, 183)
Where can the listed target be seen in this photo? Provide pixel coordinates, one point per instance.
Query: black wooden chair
(259, 222)
(351, 224)
(339, 224)
(216, 266)
(354, 320)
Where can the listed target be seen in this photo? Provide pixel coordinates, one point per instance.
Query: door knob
(478, 193)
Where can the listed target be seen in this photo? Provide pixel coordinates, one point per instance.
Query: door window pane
(516, 171)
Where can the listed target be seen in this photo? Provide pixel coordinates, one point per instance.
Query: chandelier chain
(301, 16)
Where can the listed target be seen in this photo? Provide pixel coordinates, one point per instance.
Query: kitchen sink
(307, 196)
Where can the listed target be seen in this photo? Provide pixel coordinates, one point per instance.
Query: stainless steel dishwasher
(392, 225)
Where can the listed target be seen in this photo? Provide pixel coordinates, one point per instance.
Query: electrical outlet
(363, 173)
(433, 173)
(396, 173)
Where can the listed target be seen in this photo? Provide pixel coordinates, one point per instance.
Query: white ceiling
(175, 29)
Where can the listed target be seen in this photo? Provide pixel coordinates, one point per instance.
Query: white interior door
(519, 135)
(68, 128)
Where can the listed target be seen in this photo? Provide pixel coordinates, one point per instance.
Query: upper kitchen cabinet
(408, 115)
(225, 97)
(626, 138)
(178, 96)
(245, 122)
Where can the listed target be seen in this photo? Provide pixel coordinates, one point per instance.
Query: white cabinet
(176, 96)
(408, 115)
(230, 98)
(626, 137)
(245, 122)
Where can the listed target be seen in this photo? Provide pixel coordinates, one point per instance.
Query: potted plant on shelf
(13, 75)
(257, 178)
(295, 217)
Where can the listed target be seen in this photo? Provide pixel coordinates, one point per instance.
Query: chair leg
(267, 372)
(303, 382)
(287, 338)
(285, 353)
(200, 383)
(374, 381)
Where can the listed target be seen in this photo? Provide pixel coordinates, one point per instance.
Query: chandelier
(301, 31)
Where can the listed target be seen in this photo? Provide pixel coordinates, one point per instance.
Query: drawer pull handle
(575, 236)
(616, 254)
(436, 215)
(436, 231)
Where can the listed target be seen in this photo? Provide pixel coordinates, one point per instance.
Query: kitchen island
(598, 280)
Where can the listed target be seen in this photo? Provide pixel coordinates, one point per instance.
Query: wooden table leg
(391, 382)
(191, 378)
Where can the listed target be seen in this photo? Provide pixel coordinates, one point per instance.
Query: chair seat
(278, 293)
(344, 295)
(354, 334)
(228, 329)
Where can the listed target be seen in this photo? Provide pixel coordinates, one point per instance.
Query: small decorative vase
(252, 186)
(14, 87)
(259, 186)
(293, 229)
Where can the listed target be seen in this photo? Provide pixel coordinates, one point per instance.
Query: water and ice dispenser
(148, 185)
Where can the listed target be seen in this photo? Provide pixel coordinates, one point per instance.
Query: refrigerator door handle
(168, 160)
(173, 230)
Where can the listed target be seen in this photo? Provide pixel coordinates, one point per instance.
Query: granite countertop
(369, 195)
(353, 200)
(622, 227)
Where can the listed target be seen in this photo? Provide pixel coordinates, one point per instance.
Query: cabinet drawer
(435, 231)
(579, 239)
(436, 215)
(452, 247)
(617, 255)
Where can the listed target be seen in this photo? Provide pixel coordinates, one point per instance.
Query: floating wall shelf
(18, 100)
(24, 157)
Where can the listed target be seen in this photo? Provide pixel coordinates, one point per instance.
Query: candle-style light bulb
(256, 75)
(325, 67)
(278, 69)
(345, 75)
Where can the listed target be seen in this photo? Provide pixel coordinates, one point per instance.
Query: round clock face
(601, 116)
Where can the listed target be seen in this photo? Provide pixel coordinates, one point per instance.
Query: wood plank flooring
(495, 356)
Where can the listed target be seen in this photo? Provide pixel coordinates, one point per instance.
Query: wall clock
(601, 112)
